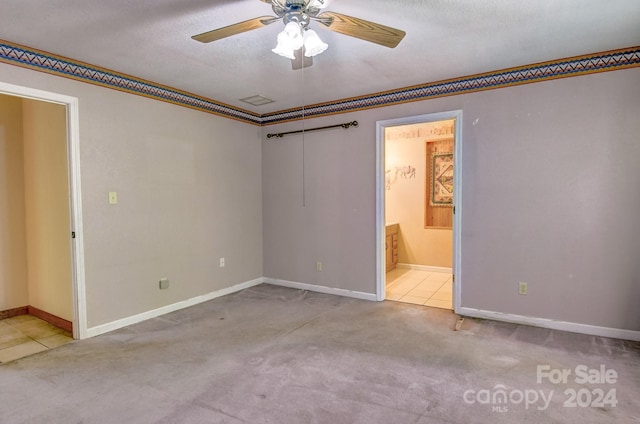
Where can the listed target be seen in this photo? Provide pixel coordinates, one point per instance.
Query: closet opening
(41, 276)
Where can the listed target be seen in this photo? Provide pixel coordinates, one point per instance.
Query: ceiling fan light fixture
(297, 15)
(289, 39)
(283, 47)
(313, 45)
(293, 32)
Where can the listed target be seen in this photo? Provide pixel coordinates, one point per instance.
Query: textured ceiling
(150, 39)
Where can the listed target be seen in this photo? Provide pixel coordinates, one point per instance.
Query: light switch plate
(113, 198)
(523, 288)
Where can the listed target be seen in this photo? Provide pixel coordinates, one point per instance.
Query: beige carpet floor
(276, 355)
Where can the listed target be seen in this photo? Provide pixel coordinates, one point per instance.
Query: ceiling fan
(297, 15)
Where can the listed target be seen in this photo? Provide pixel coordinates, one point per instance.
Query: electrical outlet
(164, 283)
(221, 262)
(318, 266)
(522, 288)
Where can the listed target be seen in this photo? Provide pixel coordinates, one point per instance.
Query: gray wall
(550, 197)
(189, 191)
(335, 221)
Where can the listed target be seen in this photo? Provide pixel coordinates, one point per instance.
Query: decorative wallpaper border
(580, 65)
(35, 59)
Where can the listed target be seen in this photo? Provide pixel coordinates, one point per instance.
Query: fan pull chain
(304, 192)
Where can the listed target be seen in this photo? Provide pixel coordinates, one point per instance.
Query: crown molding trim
(30, 58)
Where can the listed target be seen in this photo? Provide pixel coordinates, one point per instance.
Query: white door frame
(457, 197)
(75, 202)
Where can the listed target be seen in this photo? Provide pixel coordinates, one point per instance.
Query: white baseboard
(321, 289)
(134, 319)
(573, 327)
(594, 330)
(425, 268)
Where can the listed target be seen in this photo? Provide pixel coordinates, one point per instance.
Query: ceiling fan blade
(360, 28)
(301, 61)
(251, 24)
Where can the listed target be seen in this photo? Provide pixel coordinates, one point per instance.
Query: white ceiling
(151, 39)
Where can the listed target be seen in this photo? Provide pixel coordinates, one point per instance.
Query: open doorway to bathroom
(417, 200)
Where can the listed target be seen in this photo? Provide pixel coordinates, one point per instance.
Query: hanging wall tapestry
(441, 179)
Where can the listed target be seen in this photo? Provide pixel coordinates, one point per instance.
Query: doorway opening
(418, 209)
(42, 212)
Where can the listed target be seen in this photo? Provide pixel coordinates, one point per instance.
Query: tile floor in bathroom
(420, 287)
(25, 335)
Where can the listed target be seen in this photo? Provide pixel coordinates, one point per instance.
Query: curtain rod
(345, 125)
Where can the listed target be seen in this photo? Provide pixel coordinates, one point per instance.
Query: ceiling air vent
(257, 100)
